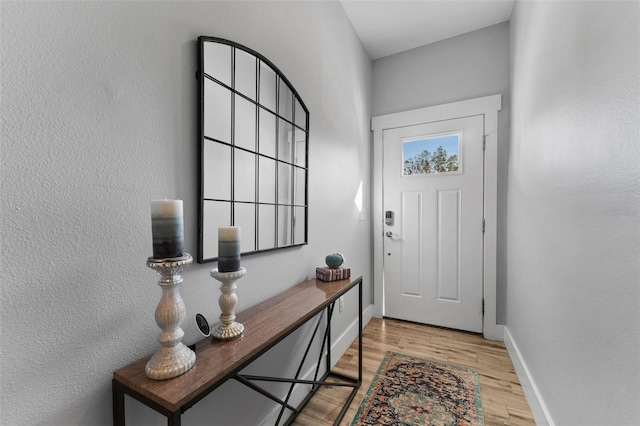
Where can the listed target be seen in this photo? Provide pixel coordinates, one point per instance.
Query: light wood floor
(503, 400)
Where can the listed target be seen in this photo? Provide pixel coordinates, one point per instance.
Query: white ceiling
(391, 26)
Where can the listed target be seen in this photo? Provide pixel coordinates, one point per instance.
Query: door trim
(489, 107)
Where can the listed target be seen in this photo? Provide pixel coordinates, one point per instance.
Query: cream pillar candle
(167, 229)
(228, 249)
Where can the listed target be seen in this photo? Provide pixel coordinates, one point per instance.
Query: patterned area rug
(413, 391)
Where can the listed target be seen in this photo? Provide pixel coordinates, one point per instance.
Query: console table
(265, 324)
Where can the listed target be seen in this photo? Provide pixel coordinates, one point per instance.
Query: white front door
(433, 183)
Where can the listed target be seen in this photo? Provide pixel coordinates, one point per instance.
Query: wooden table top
(265, 324)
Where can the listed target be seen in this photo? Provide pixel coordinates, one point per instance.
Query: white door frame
(489, 107)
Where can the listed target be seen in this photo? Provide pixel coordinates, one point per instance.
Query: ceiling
(386, 27)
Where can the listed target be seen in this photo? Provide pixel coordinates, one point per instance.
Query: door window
(431, 155)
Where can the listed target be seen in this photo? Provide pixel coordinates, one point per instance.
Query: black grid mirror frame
(254, 150)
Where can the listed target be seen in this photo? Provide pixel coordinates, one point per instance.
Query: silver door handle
(389, 234)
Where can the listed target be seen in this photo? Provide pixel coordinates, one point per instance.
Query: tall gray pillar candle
(167, 229)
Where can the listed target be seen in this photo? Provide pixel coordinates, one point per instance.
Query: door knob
(389, 234)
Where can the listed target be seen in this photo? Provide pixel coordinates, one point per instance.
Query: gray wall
(468, 66)
(98, 118)
(574, 207)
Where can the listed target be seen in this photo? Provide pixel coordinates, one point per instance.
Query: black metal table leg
(118, 403)
(174, 419)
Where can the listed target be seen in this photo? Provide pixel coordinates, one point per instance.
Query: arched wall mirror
(254, 140)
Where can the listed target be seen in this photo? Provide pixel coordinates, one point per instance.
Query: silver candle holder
(173, 358)
(228, 329)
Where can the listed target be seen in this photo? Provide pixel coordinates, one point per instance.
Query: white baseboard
(496, 332)
(339, 346)
(342, 343)
(531, 392)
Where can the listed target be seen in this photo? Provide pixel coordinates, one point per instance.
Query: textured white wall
(98, 118)
(574, 207)
(468, 66)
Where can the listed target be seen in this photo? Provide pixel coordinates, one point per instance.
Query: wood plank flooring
(503, 400)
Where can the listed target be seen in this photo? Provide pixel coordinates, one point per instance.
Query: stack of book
(332, 274)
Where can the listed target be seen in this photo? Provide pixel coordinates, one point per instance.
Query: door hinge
(482, 306)
(484, 142)
(483, 223)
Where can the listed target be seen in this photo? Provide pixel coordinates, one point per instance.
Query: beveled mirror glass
(254, 144)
